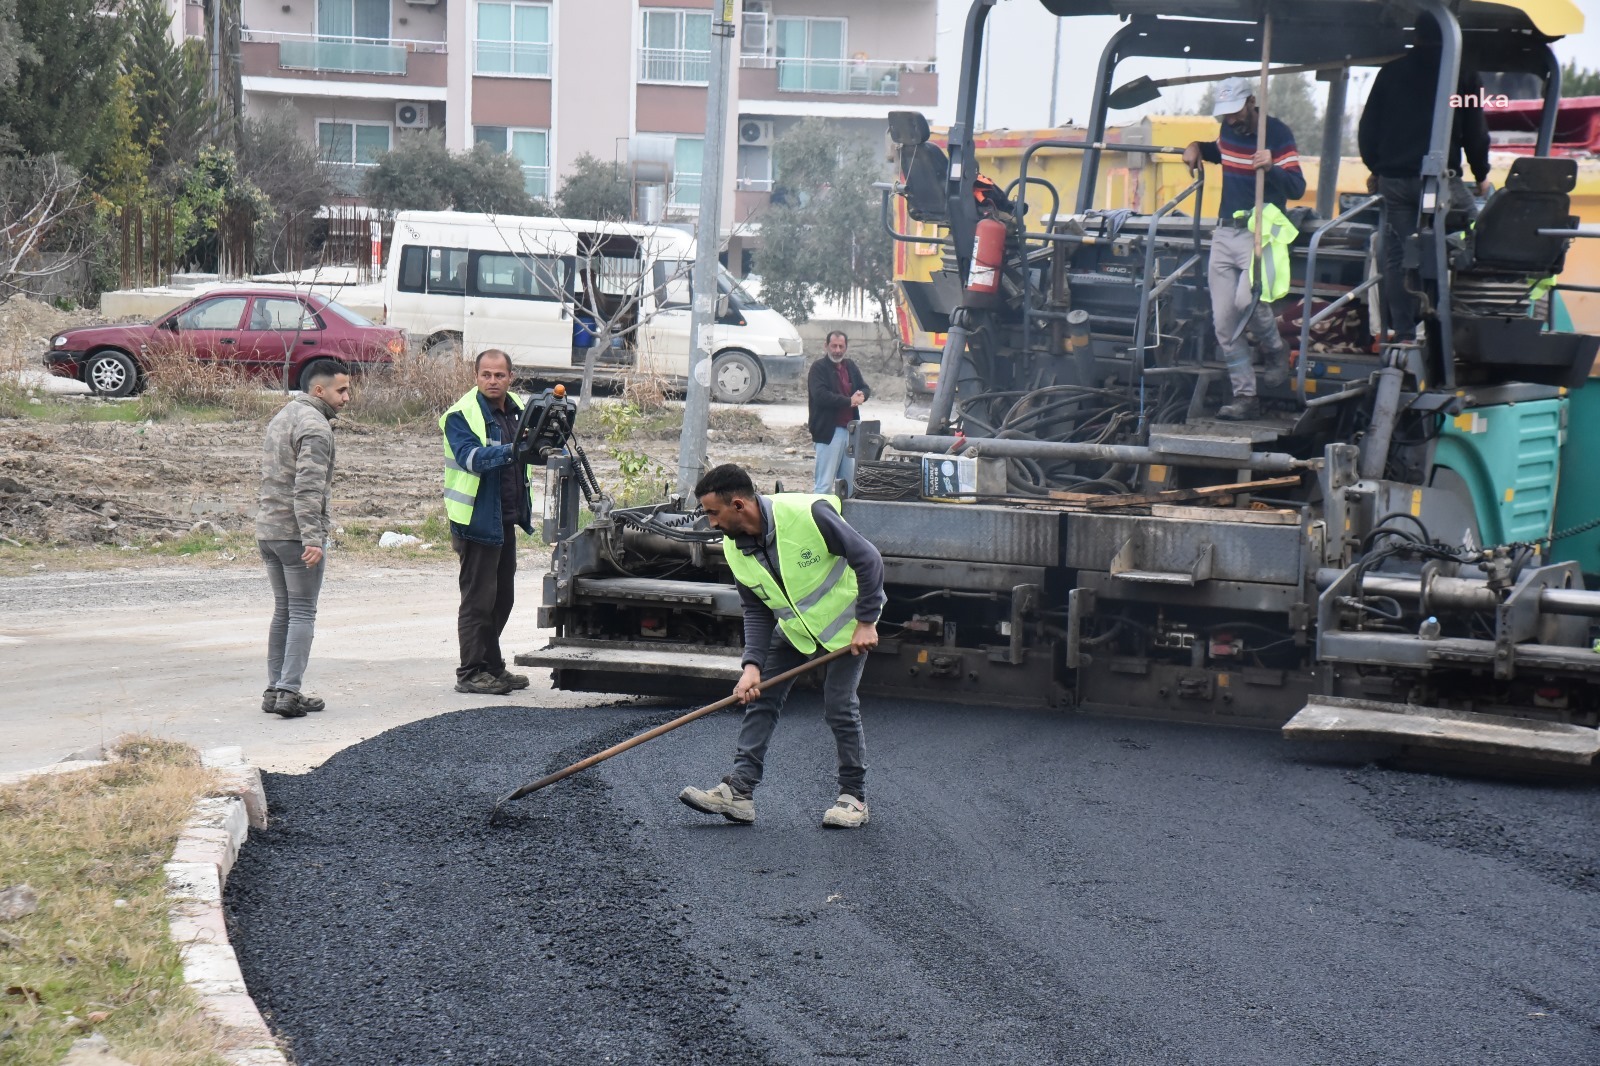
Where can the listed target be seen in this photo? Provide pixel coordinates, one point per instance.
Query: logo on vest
(808, 557)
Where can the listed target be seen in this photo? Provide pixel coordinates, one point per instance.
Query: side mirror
(908, 128)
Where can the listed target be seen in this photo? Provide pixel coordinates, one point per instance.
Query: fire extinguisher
(988, 253)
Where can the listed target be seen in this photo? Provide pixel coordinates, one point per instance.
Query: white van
(523, 285)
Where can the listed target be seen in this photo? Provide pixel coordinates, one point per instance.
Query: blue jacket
(482, 459)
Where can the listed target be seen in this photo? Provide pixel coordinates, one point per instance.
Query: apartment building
(623, 80)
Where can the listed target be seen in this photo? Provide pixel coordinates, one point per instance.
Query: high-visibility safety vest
(461, 484)
(1278, 233)
(815, 603)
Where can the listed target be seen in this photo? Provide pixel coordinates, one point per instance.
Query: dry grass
(82, 962)
(418, 388)
(176, 380)
(646, 391)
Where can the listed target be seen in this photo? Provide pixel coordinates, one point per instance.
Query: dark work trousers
(841, 707)
(488, 589)
(1402, 204)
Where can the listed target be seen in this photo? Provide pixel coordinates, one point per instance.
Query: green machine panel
(1510, 457)
(1579, 502)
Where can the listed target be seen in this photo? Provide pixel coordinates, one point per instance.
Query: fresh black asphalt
(1033, 888)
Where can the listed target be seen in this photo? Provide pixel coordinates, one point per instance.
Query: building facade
(622, 80)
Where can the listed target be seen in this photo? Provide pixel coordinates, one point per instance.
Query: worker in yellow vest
(487, 499)
(808, 583)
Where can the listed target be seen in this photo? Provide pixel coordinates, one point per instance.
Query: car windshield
(731, 286)
(352, 317)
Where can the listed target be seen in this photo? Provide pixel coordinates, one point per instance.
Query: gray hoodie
(297, 474)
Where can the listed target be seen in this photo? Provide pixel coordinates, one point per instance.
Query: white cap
(1231, 95)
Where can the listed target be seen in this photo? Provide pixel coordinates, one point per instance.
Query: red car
(259, 330)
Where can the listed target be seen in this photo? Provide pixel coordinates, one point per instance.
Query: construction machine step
(1526, 739)
(630, 658)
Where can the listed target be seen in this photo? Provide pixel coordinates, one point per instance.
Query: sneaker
(312, 703)
(847, 812)
(515, 681)
(290, 705)
(721, 800)
(484, 683)
(1241, 409)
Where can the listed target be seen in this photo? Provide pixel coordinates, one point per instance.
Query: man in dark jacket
(835, 390)
(486, 498)
(1394, 133)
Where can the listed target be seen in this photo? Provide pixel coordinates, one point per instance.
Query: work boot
(1241, 409)
(269, 700)
(293, 705)
(514, 681)
(484, 683)
(1276, 373)
(847, 812)
(723, 800)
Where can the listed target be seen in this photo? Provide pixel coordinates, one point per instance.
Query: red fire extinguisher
(988, 253)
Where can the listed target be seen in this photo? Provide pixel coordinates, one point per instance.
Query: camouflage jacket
(297, 474)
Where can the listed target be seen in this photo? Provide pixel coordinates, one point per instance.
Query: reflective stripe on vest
(820, 605)
(1276, 237)
(461, 484)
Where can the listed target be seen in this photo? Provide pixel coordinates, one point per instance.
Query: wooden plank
(1274, 517)
(1134, 499)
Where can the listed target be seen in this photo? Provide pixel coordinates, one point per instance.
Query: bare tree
(40, 201)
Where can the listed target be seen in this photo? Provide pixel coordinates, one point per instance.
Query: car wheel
(111, 373)
(309, 371)
(736, 377)
(443, 346)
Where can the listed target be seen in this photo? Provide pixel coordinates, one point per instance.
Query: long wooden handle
(1261, 131)
(1303, 68)
(665, 727)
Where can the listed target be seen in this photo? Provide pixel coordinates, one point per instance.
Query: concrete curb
(199, 867)
(205, 852)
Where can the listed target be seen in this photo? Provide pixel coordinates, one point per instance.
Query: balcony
(511, 59)
(901, 81)
(674, 66)
(277, 55)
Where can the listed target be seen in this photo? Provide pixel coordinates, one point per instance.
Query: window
(811, 55)
(282, 314)
(531, 148)
(672, 278)
(352, 143)
(521, 277)
(221, 313)
(688, 162)
(363, 19)
(677, 47)
(513, 39)
(433, 270)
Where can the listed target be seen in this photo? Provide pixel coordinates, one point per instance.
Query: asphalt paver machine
(1397, 551)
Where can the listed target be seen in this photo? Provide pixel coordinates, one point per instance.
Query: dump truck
(1396, 552)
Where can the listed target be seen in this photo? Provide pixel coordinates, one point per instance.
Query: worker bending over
(1233, 241)
(808, 582)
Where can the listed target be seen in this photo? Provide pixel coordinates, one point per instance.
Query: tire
(309, 371)
(111, 373)
(443, 346)
(736, 377)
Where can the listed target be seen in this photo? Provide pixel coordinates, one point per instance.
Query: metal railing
(683, 195)
(674, 65)
(536, 181)
(859, 77)
(515, 58)
(346, 55)
(1307, 319)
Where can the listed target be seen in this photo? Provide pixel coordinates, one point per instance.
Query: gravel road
(1032, 888)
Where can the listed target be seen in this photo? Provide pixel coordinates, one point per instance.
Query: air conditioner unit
(410, 115)
(755, 133)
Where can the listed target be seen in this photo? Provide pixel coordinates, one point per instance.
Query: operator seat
(1495, 267)
(924, 169)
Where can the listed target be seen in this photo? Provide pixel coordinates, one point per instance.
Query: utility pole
(1055, 75)
(697, 401)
